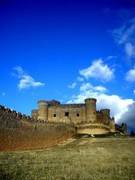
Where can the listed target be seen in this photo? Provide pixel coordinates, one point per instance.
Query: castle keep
(85, 117)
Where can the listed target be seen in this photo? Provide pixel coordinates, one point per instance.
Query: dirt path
(68, 141)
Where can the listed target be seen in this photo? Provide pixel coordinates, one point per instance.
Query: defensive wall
(85, 117)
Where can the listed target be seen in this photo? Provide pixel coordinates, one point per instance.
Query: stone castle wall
(73, 113)
(84, 114)
(67, 114)
(84, 120)
(10, 118)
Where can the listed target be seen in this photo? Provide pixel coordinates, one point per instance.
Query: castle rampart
(83, 116)
(79, 116)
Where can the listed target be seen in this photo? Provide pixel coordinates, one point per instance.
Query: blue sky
(67, 50)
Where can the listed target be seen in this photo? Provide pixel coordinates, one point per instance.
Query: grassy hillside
(81, 159)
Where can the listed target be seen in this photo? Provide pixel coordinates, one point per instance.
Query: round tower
(90, 105)
(42, 110)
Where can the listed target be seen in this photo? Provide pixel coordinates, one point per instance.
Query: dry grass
(84, 159)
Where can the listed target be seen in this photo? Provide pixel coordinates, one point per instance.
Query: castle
(85, 117)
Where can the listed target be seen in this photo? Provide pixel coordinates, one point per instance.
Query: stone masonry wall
(53, 111)
(66, 114)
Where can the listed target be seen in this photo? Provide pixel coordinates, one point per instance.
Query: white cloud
(115, 103)
(134, 91)
(25, 80)
(129, 49)
(90, 87)
(20, 71)
(3, 94)
(86, 86)
(125, 32)
(130, 76)
(73, 85)
(111, 57)
(80, 79)
(125, 35)
(100, 88)
(129, 116)
(98, 70)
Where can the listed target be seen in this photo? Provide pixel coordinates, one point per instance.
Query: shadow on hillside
(5, 175)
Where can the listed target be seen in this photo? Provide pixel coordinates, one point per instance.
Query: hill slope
(86, 158)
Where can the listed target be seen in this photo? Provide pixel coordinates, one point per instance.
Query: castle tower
(90, 105)
(42, 110)
(106, 112)
(106, 115)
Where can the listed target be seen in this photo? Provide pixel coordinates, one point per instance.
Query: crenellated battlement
(84, 118)
(77, 114)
